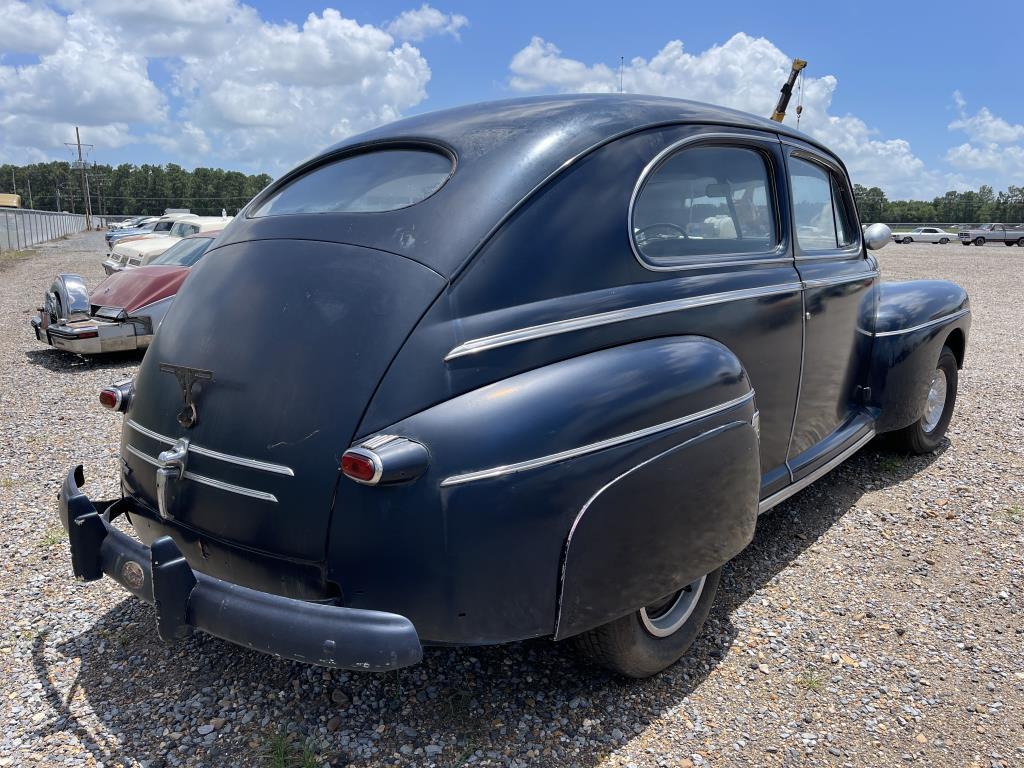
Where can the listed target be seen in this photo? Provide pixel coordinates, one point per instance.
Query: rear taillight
(117, 396)
(361, 466)
(385, 460)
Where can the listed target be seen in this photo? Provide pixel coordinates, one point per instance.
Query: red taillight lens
(109, 398)
(360, 467)
(117, 396)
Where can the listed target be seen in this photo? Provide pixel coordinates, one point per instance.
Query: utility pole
(14, 182)
(28, 180)
(85, 179)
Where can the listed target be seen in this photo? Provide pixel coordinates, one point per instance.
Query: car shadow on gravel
(513, 700)
(68, 362)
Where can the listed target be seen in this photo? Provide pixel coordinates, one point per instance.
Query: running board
(824, 469)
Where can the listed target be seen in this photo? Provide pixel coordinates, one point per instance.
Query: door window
(705, 201)
(822, 208)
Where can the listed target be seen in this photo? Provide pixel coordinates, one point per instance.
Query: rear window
(384, 180)
(184, 253)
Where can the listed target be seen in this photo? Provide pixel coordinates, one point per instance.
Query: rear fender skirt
(472, 551)
(660, 526)
(915, 320)
(73, 296)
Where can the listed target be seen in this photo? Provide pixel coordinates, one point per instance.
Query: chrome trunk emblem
(187, 379)
(172, 467)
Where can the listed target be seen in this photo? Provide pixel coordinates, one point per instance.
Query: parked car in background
(924, 235)
(993, 233)
(134, 251)
(124, 311)
(127, 223)
(514, 370)
(10, 201)
(144, 227)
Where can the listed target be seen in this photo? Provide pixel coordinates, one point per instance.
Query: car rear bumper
(87, 338)
(312, 633)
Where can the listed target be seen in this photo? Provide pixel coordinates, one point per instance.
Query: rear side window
(384, 180)
(706, 201)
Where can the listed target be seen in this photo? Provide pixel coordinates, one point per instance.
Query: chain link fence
(21, 228)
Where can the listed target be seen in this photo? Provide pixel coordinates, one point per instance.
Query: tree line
(971, 207)
(131, 189)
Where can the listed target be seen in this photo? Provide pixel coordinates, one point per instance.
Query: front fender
(472, 551)
(68, 298)
(914, 320)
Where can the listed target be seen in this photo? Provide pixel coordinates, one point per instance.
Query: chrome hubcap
(936, 400)
(666, 616)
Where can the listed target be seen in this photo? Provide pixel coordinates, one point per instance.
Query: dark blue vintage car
(522, 369)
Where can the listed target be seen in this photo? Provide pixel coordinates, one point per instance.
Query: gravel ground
(875, 620)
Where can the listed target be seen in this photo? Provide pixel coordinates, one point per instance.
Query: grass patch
(52, 536)
(890, 463)
(1014, 514)
(811, 681)
(6, 483)
(281, 753)
(10, 258)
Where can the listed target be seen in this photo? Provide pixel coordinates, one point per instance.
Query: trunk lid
(297, 335)
(135, 288)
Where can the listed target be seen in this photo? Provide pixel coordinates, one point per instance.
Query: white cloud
(425, 22)
(987, 157)
(743, 73)
(237, 89)
(29, 27)
(983, 126)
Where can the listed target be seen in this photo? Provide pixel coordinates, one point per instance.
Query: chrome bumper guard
(312, 633)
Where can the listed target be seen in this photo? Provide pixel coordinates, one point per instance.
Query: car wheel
(943, 240)
(979, 241)
(925, 434)
(1008, 242)
(647, 641)
(907, 240)
(1021, 242)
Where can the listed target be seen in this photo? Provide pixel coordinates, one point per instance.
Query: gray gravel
(876, 619)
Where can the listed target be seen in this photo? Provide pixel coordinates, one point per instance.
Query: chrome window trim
(242, 461)
(937, 321)
(583, 450)
(841, 279)
(530, 333)
(219, 484)
(730, 259)
(824, 469)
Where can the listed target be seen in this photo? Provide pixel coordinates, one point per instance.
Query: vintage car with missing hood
(523, 369)
(124, 311)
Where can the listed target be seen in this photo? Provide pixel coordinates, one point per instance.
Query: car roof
(504, 150)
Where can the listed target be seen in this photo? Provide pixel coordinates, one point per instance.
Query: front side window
(706, 201)
(371, 182)
(822, 207)
(163, 226)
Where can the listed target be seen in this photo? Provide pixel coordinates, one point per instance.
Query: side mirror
(877, 236)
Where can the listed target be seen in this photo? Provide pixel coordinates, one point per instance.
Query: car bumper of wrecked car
(184, 599)
(91, 337)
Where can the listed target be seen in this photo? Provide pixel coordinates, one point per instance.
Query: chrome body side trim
(242, 461)
(773, 256)
(583, 450)
(824, 469)
(520, 335)
(261, 495)
(841, 279)
(937, 321)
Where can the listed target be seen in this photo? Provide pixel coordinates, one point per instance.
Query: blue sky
(918, 98)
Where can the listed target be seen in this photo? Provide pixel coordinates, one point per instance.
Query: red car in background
(124, 311)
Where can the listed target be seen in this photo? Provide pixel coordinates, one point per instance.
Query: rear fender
(474, 550)
(68, 298)
(915, 319)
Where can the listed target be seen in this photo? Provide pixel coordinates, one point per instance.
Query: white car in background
(924, 235)
(135, 253)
